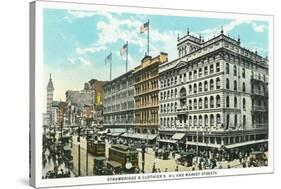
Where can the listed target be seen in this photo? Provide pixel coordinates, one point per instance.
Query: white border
(40, 88)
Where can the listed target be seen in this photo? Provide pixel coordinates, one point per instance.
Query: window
(200, 120)
(168, 94)
(235, 102)
(172, 108)
(218, 83)
(195, 88)
(206, 102)
(168, 108)
(218, 101)
(206, 70)
(227, 68)
(243, 73)
(235, 70)
(235, 120)
(244, 87)
(176, 92)
(200, 103)
(190, 89)
(211, 84)
(161, 94)
(161, 109)
(218, 119)
(175, 106)
(172, 93)
(211, 102)
(244, 104)
(195, 104)
(235, 85)
(244, 121)
(190, 104)
(195, 120)
(227, 83)
(227, 101)
(190, 121)
(217, 67)
(206, 120)
(211, 68)
(165, 95)
(227, 121)
(200, 72)
(195, 74)
(190, 75)
(205, 85)
(164, 108)
(212, 120)
(200, 87)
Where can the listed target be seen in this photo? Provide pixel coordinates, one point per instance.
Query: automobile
(186, 158)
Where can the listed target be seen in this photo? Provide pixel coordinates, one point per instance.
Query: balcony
(183, 110)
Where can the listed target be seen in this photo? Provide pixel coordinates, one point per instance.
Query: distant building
(47, 117)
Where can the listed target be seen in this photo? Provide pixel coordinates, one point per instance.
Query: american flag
(108, 58)
(124, 49)
(144, 27)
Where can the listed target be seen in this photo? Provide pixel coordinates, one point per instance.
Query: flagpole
(148, 38)
(127, 57)
(110, 66)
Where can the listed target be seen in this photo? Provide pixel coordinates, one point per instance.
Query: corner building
(214, 94)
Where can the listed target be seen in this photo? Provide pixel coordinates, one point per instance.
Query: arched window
(190, 121)
(235, 120)
(244, 121)
(190, 89)
(168, 94)
(195, 120)
(161, 95)
(164, 108)
(218, 101)
(235, 85)
(200, 103)
(168, 108)
(227, 83)
(200, 87)
(211, 84)
(243, 87)
(175, 106)
(212, 120)
(206, 70)
(206, 121)
(244, 104)
(217, 67)
(235, 102)
(206, 102)
(172, 93)
(161, 109)
(194, 88)
(227, 121)
(183, 92)
(227, 101)
(195, 104)
(200, 120)
(164, 94)
(190, 104)
(227, 68)
(205, 85)
(235, 70)
(211, 102)
(211, 68)
(218, 83)
(243, 73)
(218, 119)
(176, 92)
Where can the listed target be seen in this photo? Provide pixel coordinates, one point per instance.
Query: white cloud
(259, 28)
(86, 50)
(79, 60)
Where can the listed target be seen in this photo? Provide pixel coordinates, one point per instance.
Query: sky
(76, 42)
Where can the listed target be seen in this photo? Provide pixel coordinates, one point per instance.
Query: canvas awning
(178, 136)
(167, 141)
(245, 143)
(139, 136)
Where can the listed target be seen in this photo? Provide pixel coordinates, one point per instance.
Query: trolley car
(96, 148)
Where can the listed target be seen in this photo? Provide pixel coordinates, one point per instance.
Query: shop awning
(167, 141)
(139, 136)
(114, 134)
(245, 143)
(178, 136)
(203, 144)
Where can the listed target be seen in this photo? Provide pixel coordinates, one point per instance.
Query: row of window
(235, 70)
(203, 120)
(191, 75)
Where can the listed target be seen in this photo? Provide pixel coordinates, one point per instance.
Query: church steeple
(50, 85)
